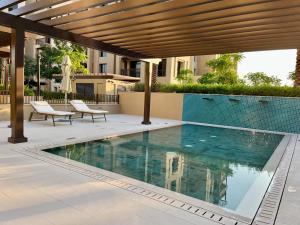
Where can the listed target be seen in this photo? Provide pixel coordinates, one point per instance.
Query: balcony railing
(131, 72)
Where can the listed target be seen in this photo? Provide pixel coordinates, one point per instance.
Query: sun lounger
(43, 108)
(80, 107)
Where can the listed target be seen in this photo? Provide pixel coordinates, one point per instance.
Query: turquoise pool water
(215, 165)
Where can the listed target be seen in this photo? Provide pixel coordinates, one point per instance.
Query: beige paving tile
(36, 192)
(33, 191)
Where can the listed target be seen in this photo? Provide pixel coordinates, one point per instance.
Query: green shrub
(47, 95)
(237, 89)
(28, 91)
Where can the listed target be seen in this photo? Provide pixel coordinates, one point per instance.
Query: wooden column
(17, 86)
(147, 101)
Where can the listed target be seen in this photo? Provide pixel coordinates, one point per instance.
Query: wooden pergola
(147, 29)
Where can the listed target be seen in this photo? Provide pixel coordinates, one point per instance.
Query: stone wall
(163, 105)
(257, 112)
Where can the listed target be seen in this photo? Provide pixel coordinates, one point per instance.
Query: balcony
(131, 72)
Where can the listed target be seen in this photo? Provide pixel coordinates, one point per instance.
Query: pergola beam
(101, 11)
(280, 42)
(8, 3)
(181, 52)
(126, 14)
(4, 39)
(209, 51)
(228, 40)
(68, 8)
(178, 53)
(203, 21)
(4, 54)
(196, 27)
(42, 29)
(35, 6)
(207, 11)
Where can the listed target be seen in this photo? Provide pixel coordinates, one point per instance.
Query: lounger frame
(46, 117)
(82, 112)
(48, 111)
(92, 115)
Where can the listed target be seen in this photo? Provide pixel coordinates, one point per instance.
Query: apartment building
(107, 63)
(167, 69)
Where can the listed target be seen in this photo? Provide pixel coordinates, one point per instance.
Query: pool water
(216, 165)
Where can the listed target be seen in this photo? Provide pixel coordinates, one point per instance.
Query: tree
(51, 58)
(260, 78)
(224, 70)
(208, 78)
(185, 76)
(30, 67)
(292, 76)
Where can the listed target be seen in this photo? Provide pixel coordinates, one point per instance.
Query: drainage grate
(269, 207)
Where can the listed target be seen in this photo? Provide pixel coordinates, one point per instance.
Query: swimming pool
(217, 165)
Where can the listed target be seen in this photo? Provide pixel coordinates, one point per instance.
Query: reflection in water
(212, 164)
(174, 171)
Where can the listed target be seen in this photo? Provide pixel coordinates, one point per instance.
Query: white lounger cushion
(80, 106)
(44, 108)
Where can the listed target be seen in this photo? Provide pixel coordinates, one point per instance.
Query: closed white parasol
(66, 86)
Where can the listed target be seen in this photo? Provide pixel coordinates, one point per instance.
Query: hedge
(47, 95)
(27, 90)
(239, 89)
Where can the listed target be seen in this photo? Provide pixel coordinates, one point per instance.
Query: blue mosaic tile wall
(266, 113)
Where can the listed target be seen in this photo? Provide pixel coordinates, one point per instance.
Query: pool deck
(40, 188)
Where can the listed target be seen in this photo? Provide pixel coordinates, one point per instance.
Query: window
(135, 69)
(103, 68)
(162, 67)
(103, 54)
(180, 66)
(85, 89)
(175, 163)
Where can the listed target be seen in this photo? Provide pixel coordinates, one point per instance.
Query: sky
(278, 63)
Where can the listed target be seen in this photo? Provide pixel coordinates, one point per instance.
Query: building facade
(167, 69)
(100, 62)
